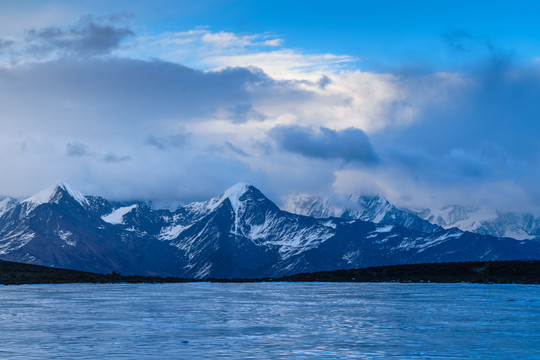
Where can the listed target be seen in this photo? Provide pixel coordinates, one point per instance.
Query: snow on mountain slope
(117, 216)
(519, 226)
(53, 194)
(232, 194)
(375, 209)
(6, 203)
(257, 219)
(315, 206)
(463, 217)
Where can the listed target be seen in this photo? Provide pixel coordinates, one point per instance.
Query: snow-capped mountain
(379, 210)
(519, 226)
(375, 209)
(60, 227)
(240, 233)
(463, 217)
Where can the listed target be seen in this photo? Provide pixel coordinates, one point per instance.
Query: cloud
(482, 136)
(244, 112)
(349, 145)
(87, 38)
(218, 40)
(496, 106)
(173, 109)
(227, 39)
(77, 149)
(126, 95)
(273, 42)
(142, 127)
(323, 81)
(283, 63)
(167, 141)
(114, 158)
(235, 149)
(4, 44)
(209, 50)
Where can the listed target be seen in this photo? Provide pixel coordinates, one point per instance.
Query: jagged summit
(54, 193)
(349, 206)
(372, 208)
(236, 195)
(235, 192)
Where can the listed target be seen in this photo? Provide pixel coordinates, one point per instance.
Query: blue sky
(428, 102)
(377, 33)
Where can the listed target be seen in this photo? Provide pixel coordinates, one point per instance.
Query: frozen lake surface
(270, 321)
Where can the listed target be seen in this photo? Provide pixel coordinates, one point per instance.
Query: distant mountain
(240, 233)
(515, 225)
(379, 210)
(375, 209)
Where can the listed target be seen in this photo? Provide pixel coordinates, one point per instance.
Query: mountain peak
(6, 203)
(51, 195)
(238, 196)
(235, 192)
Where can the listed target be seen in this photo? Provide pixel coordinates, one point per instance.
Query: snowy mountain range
(375, 209)
(378, 209)
(239, 233)
(515, 225)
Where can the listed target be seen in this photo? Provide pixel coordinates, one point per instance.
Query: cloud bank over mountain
(182, 115)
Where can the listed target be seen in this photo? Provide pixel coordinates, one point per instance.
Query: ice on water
(269, 321)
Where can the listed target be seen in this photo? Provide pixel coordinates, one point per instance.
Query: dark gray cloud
(235, 149)
(167, 141)
(111, 157)
(323, 81)
(4, 44)
(126, 95)
(497, 106)
(77, 149)
(484, 133)
(89, 37)
(241, 113)
(349, 145)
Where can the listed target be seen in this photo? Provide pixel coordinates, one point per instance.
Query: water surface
(269, 321)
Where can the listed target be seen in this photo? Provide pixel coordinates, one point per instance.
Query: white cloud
(204, 49)
(273, 42)
(283, 63)
(224, 39)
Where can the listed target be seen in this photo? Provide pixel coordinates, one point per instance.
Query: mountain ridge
(239, 233)
(377, 208)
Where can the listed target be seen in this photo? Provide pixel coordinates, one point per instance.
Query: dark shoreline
(490, 272)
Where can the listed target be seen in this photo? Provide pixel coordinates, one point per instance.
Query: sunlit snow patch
(384, 229)
(171, 232)
(117, 216)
